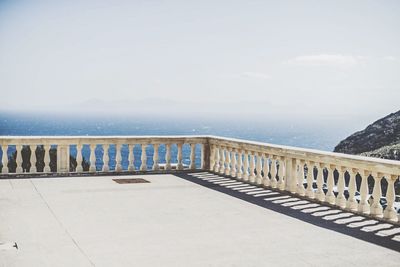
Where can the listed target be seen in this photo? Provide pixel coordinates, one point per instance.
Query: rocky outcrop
(380, 139)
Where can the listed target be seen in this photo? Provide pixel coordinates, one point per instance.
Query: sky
(297, 60)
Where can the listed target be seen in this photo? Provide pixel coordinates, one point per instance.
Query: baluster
(47, 158)
(192, 165)
(252, 177)
(300, 178)
(273, 182)
(221, 160)
(246, 166)
(330, 196)
(266, 180)
(4, 159)
(310, 179)
(259, 169)
(33, 159)
(233, 162)
(212, 157)
(294, 173)
(351, 201)
(363, 206)
(390, 213)
(376, 207)
(228, 161)
(143, 166)
(92, 158)
(131, 158)
(341, 199)
(79, 158)
(281, 173)
(18, 160)
(217, 159)
(118, 158)
(106, 158)
(155, 158)
(179, 166)
(168, 156)
(320, 195)
(240, 165)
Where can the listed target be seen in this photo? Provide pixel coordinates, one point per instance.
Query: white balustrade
(262, 164)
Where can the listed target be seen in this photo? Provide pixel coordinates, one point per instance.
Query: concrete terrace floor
(194, 219)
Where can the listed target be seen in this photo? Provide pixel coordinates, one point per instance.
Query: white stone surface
(93, 221)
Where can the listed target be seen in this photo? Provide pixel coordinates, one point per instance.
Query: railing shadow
(358, 226)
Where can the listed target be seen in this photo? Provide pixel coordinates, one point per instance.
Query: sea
(298, 133)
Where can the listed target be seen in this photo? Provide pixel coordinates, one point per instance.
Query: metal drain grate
(130, 181)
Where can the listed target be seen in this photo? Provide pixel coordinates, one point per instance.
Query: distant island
(380, 139)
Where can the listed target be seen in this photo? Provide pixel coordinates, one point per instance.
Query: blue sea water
(300, 134)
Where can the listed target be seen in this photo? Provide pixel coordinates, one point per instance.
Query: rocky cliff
(380, 139)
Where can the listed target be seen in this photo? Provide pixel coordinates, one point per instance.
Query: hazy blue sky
(319, 59)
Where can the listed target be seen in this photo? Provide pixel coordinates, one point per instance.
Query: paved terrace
(193, 219)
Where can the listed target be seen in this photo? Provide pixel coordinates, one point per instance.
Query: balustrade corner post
(62, 158)
(390, 212)
(4, 159)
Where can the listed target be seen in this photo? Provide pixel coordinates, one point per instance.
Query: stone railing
(98, 150)
(355, 183)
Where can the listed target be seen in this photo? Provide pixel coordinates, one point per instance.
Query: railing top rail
(339, 159)
(12, 140)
